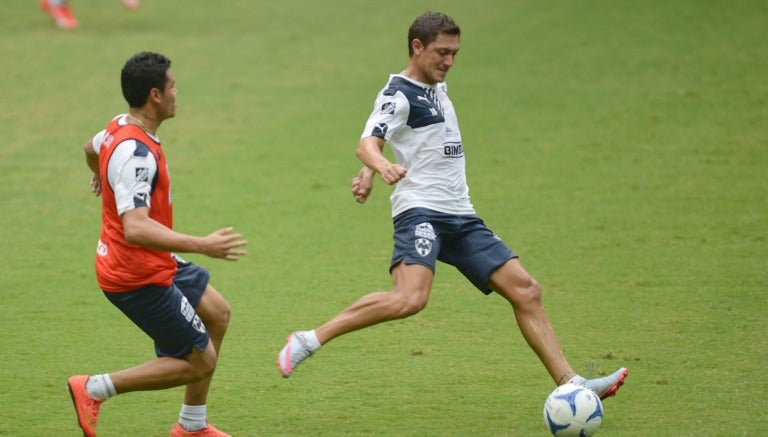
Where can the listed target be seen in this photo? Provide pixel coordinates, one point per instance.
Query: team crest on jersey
(388, 108)
(142, 174)
(426, 234)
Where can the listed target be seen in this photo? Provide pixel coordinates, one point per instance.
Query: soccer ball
(573, 410)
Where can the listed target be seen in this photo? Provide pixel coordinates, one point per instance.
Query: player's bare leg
(412, 285)
(524, 293)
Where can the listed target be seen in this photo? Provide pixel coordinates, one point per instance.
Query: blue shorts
(423, 236)
(167, 314)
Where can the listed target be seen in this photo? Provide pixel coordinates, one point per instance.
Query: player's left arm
(139, 228)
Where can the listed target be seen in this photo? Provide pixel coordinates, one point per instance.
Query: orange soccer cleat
(86, 407)
(60, 14)
(208, 431)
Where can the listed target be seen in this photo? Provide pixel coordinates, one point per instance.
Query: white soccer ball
(573, 410)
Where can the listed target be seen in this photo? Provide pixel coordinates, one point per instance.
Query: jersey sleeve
(131, 173)
(98, 139)
(390, 112)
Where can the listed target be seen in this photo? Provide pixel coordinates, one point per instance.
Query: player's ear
(417, 46)
(155, 94)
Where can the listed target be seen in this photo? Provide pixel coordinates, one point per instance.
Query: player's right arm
(92, 160)
(370, 151)
(390, 113)
(142, 230)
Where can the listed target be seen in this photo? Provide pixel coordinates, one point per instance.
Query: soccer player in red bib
(137, 267)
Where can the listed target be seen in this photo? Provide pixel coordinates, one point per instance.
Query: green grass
(620, 148)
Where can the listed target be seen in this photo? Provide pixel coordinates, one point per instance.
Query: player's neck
(415, 74)
(409, 74)
(143, 120)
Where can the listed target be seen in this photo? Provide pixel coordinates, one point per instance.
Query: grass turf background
(620, 148)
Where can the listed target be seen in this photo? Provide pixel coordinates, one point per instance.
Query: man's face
(437, 58)
(168, 96)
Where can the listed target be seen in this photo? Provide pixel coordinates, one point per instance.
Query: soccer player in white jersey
(433, 217)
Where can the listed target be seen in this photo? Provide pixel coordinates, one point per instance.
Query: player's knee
(203, 364)
(412, 308)
(530, 293)
(225, 313)
(218, 319)
(205, 367)
(409, 304)
(525, 294)
(202, 373)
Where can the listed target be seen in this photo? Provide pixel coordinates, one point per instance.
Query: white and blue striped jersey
(420, 125)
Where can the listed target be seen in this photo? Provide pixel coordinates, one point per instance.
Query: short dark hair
(142, 72)
(428, 25)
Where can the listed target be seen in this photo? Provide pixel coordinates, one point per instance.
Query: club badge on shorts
(189, 313)
(425, 236)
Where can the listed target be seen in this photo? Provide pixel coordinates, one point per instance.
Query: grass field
(621, 148)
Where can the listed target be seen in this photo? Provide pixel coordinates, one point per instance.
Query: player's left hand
(223, 244)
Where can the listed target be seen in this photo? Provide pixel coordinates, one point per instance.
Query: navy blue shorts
(167, 314)
(423, 236)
